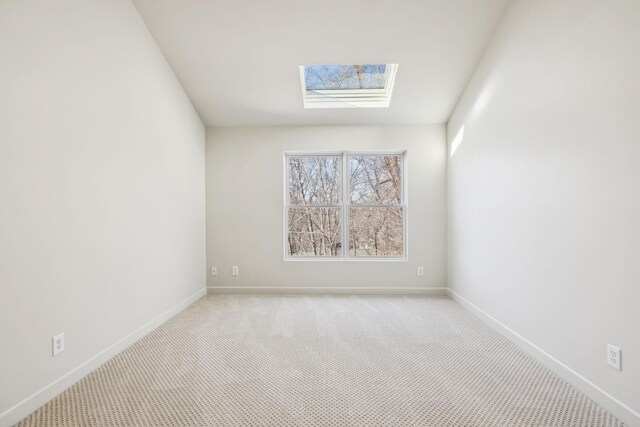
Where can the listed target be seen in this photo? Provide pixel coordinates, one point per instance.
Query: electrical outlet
(235, 271)
(613, 357)
(58, 344)
(420, 271)
(214, 271)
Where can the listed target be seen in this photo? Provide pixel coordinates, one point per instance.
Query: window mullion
(345, 209)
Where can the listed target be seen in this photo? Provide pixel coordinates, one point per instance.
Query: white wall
(101, 189)
(544, 190)
(245, 206)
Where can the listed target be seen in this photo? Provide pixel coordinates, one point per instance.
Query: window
(345, 206)
(347, 86)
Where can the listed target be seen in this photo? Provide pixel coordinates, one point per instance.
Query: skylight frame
(350, 98)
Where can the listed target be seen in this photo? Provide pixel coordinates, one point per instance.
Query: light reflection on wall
(456, 141)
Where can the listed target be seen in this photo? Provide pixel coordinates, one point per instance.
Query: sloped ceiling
(238, 60)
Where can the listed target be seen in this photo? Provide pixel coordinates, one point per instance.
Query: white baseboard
(48, 392)
(625, 413)
(321, 290)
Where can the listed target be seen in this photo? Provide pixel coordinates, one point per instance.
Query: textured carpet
(322, 361)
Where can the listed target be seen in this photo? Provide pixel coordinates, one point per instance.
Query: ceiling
(238, 59)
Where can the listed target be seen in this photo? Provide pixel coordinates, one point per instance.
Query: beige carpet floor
(322, 361)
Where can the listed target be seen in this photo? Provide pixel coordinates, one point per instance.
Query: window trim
(350, 98)
(345, 205)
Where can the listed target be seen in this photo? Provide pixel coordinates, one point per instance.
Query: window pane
(375, 180)
(375, 232)
(315, 232)
(344, 77)
(315, 180)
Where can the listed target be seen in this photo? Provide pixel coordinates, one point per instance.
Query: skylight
(347, 86)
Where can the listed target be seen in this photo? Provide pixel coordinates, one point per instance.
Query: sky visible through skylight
(344, 77)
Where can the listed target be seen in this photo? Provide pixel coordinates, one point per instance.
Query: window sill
(341, 259)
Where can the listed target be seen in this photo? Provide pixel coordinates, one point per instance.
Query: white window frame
(345, 205)
(350, 98)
